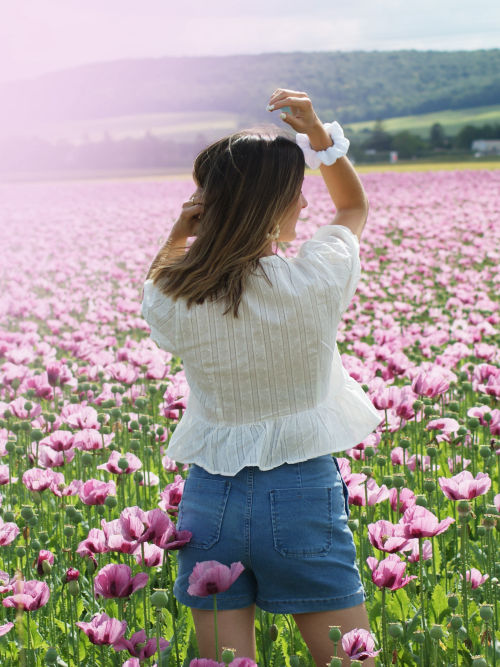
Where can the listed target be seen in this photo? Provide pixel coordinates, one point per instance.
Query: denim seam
(248, 515)
(306, 600)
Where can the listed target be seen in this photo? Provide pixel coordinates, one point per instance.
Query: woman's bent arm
(343, 184)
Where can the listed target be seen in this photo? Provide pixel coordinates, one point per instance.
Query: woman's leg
(236, 630)
(314, 629)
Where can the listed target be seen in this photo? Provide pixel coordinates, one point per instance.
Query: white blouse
(268, 387)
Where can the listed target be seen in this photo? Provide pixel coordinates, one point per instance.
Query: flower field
(89, 499)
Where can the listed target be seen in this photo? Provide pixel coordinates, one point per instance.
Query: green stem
(263, 649)
(384, 630)
(216, 630)
(463, 553)
(28, 633)
(158, 634)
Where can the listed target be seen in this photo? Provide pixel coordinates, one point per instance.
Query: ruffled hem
(341, 422)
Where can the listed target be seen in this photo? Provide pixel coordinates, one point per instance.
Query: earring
(275, 235)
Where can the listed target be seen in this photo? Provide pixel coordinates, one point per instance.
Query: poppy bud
(436, 632)
(227, 656)
(334, 633)
(159, 599)
(73, 587)
(486, 612)
(273, 632)
(51, 656)
(395, 630)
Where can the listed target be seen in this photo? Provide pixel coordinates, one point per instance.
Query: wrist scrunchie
(329, 155)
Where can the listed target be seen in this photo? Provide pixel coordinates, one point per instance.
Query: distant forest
(154, 152)
(349, 87)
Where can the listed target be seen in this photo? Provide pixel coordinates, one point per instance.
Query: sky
(40, 36)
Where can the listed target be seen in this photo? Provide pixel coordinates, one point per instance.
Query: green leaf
(398, 604)
(439, 602)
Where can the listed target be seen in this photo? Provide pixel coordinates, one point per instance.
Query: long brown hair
(249, 182)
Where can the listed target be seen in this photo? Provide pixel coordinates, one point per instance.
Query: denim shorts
(287, 526)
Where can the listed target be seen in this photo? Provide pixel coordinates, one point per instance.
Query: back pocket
(302, 521)
(201, 510)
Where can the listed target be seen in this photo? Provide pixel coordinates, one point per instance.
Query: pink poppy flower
(168, 464)
(359, 644)
(156, 525)
(59, 441)
(479, 412)
(385, 536)
(171, 496)
(475, 577)
(95, 492)
(4, 474)
(495, 422)
(17, 408)
(5, 628)
(58, 374)
(448, 428)
(43, 556)
(153, 555)
(29, 595)
(134, 463)
(132, 521)
(243, 662)
(205, 662)
(49, 458)
(172, 538)
(406, 499)
(116, 581)
(116, 542)
(430, 383)
(39, 383)
(37, 479)
(71, 575)
(412, 545)
(464, 486)
(397, 456)
(82, 417)
(376, 494)
(8, 532)
(89, 439)
(103, 630)
(211, 577)
(139, 646)
(94, 544)
(388, 573)
(496, 500)
(417, 521)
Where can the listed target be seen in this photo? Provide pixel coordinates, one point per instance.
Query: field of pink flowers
(88, 402)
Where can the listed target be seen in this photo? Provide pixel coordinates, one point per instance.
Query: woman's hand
(187, 224)
(302, 118)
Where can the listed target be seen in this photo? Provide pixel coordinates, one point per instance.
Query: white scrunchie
(331, 154)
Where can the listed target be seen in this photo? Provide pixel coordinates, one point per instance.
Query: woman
(269, 400)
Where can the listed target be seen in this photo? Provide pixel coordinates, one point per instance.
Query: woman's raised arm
(341, 180)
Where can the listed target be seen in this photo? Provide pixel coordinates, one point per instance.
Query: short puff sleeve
(158, 310)
(333, 251)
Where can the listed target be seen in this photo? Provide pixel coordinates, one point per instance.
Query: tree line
(409, 145)
(151, 151)
(345, 86)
